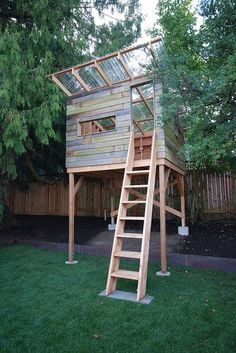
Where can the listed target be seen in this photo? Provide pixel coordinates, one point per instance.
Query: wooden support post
(163, 219)
(182, 199)
(112, 207)
(71, 220)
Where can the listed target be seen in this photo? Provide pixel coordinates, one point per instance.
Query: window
(97, 126)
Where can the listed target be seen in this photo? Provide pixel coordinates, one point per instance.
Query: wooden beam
(144, 100)
(62, 87)
(109, 56)
(163, 219)
(125, 66)
(81, 81)
(140, 100)
(167, 174)
(136, 123)
(102, 73)
(78, 184)
(96, 168)
(157, 190)
(150, 47)
(182, 200)
(71, 217)
(98, 125)
(171, 165)
(155, 203)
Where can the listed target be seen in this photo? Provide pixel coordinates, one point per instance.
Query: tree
(36, 38)
(197, 68)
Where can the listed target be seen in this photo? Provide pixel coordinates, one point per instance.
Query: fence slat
(209, 192)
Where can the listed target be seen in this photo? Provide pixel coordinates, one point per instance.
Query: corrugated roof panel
(147, 90)
(157, 47)
(91, 76)
(70, 82)
(141, 111)
(114, 70)
(138, 60)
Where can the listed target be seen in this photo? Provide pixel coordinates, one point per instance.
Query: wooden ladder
(117, 253)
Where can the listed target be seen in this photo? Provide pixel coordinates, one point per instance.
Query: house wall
(111, 147)
(169, 134)
(98, 148)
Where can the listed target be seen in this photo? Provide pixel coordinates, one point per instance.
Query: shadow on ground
(212, 238)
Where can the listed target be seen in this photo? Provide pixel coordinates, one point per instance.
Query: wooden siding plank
(77, 109)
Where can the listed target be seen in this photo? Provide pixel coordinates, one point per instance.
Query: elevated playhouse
(114, 131)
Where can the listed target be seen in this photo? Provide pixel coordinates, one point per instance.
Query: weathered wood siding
(103, 147)
(111, 147)
(169, 137)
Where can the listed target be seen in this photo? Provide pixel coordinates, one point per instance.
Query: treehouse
(114, 131)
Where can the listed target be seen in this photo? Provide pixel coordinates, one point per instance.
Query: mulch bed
(210, 238)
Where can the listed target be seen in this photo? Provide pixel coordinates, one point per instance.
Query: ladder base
(122, 295)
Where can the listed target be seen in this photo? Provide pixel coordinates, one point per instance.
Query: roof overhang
(127, 65)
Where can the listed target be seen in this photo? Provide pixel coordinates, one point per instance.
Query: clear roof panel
(147, 90)
(91, 76)
(69, 81)
(114, 70)
(157, 47)
(138, 60)
(140, 111)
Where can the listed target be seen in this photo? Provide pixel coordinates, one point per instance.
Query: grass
(47, 306)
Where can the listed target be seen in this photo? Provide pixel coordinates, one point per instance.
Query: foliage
(198, 69)
(121, 33)
(36, 38)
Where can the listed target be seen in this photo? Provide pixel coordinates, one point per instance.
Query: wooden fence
(205, 193)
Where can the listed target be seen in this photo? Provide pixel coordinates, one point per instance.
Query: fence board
(210, 193)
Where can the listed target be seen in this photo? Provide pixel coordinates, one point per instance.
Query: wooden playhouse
(114, 131)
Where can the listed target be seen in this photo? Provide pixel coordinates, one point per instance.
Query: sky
(148, 8)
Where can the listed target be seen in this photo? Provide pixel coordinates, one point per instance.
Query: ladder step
(142, 163)
(130, 235)
(136, 186)
(132, 218)
(128, 254)
(138, 172)
(126, 274)
(134, 201)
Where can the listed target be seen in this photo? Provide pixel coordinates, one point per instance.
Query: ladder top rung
(135, 201)
(128, 254)
(138, 172)
(136, 186)
(142, 163)
(130, 235)
(126, 274)
(132, 218)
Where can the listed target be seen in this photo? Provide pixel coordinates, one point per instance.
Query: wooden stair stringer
(117, 253)
(143, 267)
(118, 241)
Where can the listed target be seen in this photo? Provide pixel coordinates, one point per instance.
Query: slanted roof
(127, 64)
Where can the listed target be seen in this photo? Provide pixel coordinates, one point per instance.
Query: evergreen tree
(36, 38)
(197, 68)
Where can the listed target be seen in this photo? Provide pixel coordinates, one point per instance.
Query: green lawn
(47, 306)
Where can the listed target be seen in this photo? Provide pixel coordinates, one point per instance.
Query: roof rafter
(121, 61)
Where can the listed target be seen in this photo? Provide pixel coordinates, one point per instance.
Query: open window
(96, 126)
